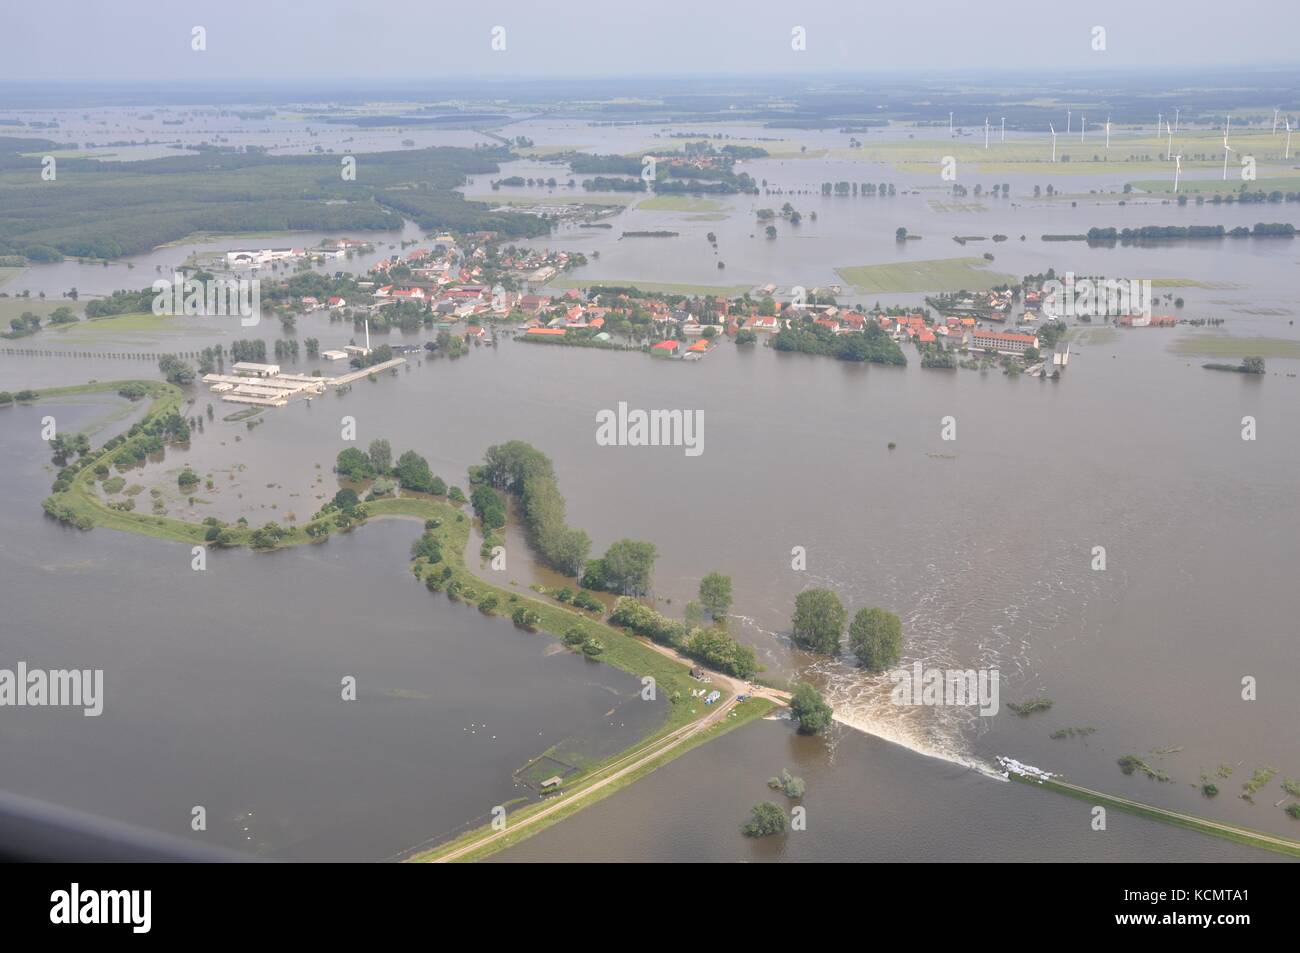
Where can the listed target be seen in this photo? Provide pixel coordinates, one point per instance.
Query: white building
(250, 369)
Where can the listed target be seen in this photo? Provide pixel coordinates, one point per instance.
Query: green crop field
(680, 203)
(943, 274)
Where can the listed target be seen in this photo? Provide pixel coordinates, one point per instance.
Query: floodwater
(223, 688)
(984, 545)
(866, 800)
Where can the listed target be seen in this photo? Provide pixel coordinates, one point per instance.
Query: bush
(525, 618)
(765, 820)
(488, 604)
(427, 547)
(790, 785)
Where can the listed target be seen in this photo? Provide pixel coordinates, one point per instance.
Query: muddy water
(223, 688)
(983, 545)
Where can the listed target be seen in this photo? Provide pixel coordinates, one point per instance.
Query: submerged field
(1223, 345)
(661, 287)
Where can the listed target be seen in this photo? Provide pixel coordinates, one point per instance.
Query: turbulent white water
(973, 611)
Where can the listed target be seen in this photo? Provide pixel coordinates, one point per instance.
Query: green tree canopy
(413, 472)
(877, 638)
(819, 619)
(353, 464)
(627, 565)
(810, 710)
(765, 820)
(715, 595)
(381, 455)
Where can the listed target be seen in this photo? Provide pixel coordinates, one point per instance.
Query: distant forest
(95, 209)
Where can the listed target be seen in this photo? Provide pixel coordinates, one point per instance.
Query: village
(473, 290)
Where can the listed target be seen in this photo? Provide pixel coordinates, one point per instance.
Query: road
(1282, 842)
(621, 768)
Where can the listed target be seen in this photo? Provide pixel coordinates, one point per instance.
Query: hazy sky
(133, 40)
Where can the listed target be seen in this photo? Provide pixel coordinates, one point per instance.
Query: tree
(715, 595)
(765, 820)
(819, 618)
(900, 234)
(569, 550)
(627, 565)
(488, 506)
(175, 370)
(791, 785)
(381, 455)
(413, 472)
(353, 464)
(877, 638)
(810, 710)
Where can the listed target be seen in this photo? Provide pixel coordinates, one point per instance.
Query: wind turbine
(1288, 138)
(986, 132)
(1004, 129)
(1177, 110)
(1083, 125)
(1169, 150)
(949, 125)
(1275, 122)
(1067, 122)
(1053, 128)
(1108, 134)
(1178, 167)
(1226, 149)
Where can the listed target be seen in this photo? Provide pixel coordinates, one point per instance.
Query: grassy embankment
(744, 712)
(626, 652)
(1238, 835)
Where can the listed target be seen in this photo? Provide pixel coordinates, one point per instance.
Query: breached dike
(1011, 766)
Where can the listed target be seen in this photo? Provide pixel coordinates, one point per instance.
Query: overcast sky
(131, 40)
